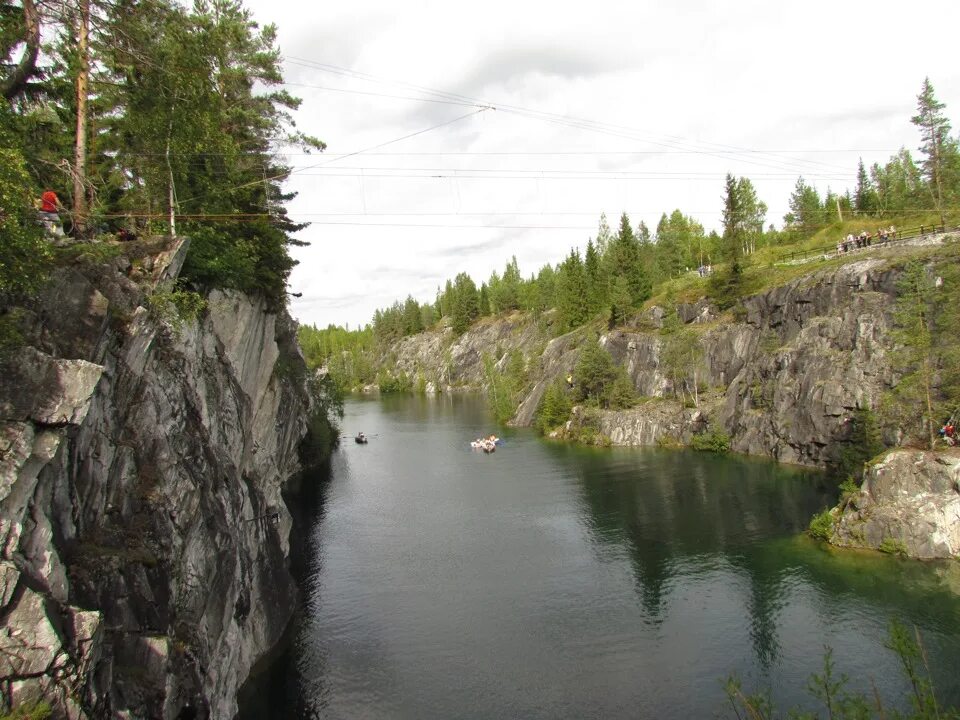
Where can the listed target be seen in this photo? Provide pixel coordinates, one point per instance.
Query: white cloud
(824, 82)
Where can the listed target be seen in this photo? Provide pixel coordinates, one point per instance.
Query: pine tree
(726, 286)
(865, 196)
(604, 236)
(914, 315)
(597, 286)
(484, 300)
(412, 321)
(508, 296)
(806, 210)
(466, 303)
(935, 134)
(622, 259)
(572, 303)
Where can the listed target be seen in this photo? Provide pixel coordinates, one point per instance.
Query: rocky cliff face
(909, 502)
(145, 539)
(782, 380)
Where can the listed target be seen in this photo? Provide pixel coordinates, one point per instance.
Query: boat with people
(487, 444)
(360, 439)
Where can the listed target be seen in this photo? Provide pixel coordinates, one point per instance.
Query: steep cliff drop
(145, 539)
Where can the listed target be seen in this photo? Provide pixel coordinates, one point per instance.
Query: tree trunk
(80, 209)
(696, 391)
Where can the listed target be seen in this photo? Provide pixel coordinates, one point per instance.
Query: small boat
(485, 444)
(360, 439)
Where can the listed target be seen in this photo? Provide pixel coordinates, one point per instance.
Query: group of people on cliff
(864, 239)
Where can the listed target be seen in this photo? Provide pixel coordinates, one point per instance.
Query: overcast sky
(595, 107)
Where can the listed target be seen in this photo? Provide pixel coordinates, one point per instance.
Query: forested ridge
(145, 116)
(624, 267)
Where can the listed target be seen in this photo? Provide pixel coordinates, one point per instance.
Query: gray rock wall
(781, 381)
(909, 502)
(145, 539)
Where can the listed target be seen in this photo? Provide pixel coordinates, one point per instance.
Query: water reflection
(551, 581)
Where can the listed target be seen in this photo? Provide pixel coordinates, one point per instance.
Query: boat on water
(360, 439)
(487, 444)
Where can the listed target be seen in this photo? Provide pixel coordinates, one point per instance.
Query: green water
(548, 581)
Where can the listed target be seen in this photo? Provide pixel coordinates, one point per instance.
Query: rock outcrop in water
(785, 377)
(909, 503)
(145, 537)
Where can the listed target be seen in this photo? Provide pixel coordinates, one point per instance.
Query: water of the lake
(550, 581)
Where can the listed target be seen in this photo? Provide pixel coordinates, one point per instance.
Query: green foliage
(586, 429)
(11, 333)
(893, 546)
(505, 386)
(24, 255)
(30, 711)
(571, 292)
(600, 382)
(623, 260)
(88, 254)
(620, 304)
(863, 441)
(941, 151)
(807, 213)
(841, 703)
(713, 440)
(681, 245)
(346, 354)
(926, 331)
(822, 526)
(186, 102)
(465, 303)
(681, 357)
(848, 491)
(555, 406)
(323, 429)
(172, 305)
(399, 383)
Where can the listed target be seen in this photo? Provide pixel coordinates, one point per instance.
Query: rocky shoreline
(784, 377)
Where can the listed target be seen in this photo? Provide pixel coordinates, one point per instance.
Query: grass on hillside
(764, 269)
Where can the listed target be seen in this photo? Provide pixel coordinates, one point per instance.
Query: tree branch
(16, 82)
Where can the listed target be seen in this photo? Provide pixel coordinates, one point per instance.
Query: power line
(383, 95)
(719, 150)
(287, 173)
(540, 173)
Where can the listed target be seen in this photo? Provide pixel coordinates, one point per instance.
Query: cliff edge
(145, 540)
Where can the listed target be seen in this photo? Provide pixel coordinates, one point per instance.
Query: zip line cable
(288, 173)
(371, 78)
(719, 150)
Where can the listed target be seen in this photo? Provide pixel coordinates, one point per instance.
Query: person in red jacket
(49, 212)
(49, 202)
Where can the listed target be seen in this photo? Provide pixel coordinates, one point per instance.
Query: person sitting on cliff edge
(49, 213)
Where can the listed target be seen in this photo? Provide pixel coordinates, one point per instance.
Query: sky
(461, 134)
